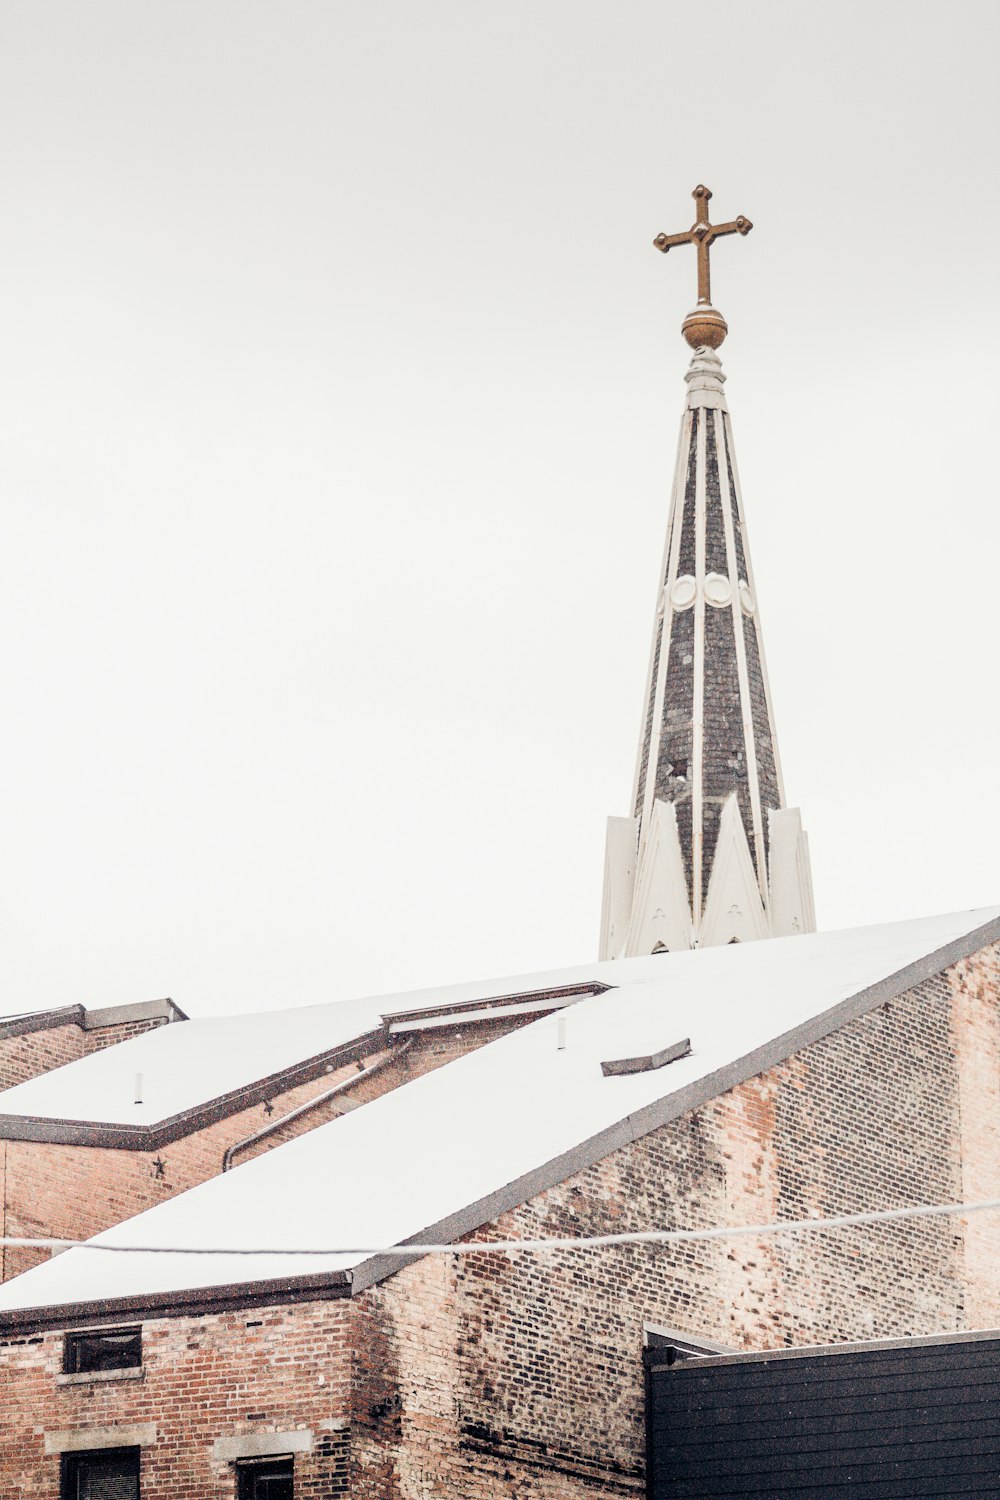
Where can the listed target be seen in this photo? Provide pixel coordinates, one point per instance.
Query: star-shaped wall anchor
(159, 1168)
(268, 1107)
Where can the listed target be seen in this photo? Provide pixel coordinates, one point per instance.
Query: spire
(710, 854)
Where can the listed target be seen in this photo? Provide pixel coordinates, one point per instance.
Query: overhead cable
(510, 1247)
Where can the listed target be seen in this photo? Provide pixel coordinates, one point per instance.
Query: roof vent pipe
(138, 1088)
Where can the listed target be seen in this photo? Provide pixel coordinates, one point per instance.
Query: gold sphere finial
(704, 326)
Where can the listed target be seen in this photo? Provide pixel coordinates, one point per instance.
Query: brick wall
(33, 1052)
(25, 1055)
(75, 1191)
(521, 1376)
(96, 1038)
(974, 986)
(202, 1378)
(71, 1192)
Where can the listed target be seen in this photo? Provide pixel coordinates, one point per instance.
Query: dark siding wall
(883, 1424)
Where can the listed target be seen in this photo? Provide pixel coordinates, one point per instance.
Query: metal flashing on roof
(153, 1137)
(490, 1007)
(41, 1020)
(142, 1010)
(722, 1356)
(90, 1020)
(226, 1297)
(475, 1017)
(619, 1066)
(655, 1337)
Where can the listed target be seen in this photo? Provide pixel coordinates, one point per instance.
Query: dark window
(110, 1349)
(265, 1481)
(111, 1474)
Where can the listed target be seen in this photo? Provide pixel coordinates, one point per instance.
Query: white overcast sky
(339, 392)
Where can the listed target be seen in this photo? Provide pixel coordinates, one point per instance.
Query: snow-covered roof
(743, 1007)
(185, 1066)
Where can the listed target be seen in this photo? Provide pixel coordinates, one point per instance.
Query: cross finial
(705, 325)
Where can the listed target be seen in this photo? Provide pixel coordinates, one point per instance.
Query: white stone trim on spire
(791, 894)
(710, 854)
(734, 912)
(620, 860)
(661, 917)
(704, 381)
(698, 702)
(738, 607)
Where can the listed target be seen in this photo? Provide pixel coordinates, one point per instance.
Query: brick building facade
(65, 1178)
(268, 1332)
(522, 1374)
(35, 1043)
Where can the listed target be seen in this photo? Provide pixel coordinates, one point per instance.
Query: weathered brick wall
(203, 1378)
(26, 1055)
(96, 1038)
(33, 1052)
(68, 1191)
(521, 1375)
(975, 986)
(71, 1192)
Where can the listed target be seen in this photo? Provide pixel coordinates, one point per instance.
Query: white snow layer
(192, 1062)
(389, 1171)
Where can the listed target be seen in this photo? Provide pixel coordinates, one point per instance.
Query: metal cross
(701, 234)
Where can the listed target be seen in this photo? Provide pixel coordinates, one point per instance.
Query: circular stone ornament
(684, 592)
(748, 604)
(718, 590)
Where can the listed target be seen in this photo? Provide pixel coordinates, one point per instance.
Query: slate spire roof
(710, 853)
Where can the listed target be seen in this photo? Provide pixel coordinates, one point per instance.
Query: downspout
(302, 1109)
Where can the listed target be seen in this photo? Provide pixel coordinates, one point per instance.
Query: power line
(509, 1247)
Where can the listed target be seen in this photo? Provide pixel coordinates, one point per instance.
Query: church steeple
(710, 854)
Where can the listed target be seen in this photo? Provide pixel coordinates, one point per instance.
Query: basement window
(102, 1349)
(265, 1479)
(107, 1474)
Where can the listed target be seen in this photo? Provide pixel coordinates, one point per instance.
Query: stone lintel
(83, 1439)
(262, 1445)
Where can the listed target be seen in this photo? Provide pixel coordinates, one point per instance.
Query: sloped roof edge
(662, 1111)
(322, 1287)
(90, 1020)
(163, 1132)
(477, 1214)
